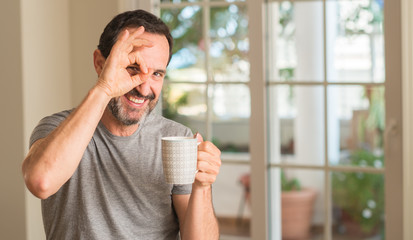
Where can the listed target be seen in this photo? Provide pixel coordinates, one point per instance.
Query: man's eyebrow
(163, 71)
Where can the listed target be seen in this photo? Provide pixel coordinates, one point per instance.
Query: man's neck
(115, 126)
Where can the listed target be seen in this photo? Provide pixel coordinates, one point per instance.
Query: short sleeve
(47, 125)
(182, 189)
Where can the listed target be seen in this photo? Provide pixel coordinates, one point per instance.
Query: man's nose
(144, 77)
(145, 87)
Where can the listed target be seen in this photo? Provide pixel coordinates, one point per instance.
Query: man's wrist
(196, 186)
(99, 92)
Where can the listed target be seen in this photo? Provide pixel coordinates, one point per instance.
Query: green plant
(170, 105)
(289, 184)
(360, 196)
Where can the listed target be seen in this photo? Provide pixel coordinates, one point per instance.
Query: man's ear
(98, 61)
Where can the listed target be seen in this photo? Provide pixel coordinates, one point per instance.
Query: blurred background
(302, 97)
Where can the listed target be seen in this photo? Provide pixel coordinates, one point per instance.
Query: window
(206, 89)
(326, 101)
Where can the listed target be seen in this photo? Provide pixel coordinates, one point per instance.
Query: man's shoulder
(167, 126)
(47, 124)
(54, 119)
(58, 116)
(166, 121)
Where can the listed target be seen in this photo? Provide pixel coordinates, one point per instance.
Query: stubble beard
(123, 113)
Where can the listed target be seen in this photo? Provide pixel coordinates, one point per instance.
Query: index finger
(135, 33)
(209, 147)
(135, 57)
(128, 39)
(141, 42)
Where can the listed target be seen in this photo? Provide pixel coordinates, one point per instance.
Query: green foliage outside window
(360, 196)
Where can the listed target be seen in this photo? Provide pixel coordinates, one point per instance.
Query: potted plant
(297, 205)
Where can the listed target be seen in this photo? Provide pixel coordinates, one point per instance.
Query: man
(98, 168)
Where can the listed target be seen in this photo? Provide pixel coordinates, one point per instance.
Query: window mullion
(209, 93)
(258, 126)
(327, 189)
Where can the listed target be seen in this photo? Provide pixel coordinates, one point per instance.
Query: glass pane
(185, 103)
(296, 124)
(232, 201)
(299, 196)
(188, 59)
(355, 48)
(356, 117)
(229, 43)
(231, 113)
(358, 205)
(295, 41)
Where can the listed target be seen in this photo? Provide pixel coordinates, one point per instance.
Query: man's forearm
(53, 160)
(200, 221)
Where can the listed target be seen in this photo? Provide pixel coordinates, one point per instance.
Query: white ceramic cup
(179, 159)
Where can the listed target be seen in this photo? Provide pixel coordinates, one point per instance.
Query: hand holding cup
(209, 162)
(187, 159)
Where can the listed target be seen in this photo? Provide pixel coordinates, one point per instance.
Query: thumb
(199, 137)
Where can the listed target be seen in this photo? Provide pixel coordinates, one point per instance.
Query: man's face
(132, 107)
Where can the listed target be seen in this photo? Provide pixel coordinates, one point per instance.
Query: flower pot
(296, 213)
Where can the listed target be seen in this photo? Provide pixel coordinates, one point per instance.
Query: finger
(205, 178)
(135, 57)
(136, 33)
(133, 41)
(207, 167)
(123, 35)
(209, 147)
(127, 38)
(120, 42)
(199, 137)
(213, 160)
(141, 42)
(137, 80)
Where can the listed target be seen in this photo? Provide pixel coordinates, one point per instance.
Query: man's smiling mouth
(134, 99)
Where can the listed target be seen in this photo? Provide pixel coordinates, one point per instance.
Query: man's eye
(158, 74)
(132, 70)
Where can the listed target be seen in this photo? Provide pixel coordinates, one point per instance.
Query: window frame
(407, 83)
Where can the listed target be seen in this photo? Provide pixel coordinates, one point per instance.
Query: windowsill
(232, 157)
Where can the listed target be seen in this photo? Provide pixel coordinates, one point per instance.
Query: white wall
(87, 21)
(46, 66)
(12, 208)
(46, 77)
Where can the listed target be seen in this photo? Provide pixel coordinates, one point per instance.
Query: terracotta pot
(296, 213)
(353, 228)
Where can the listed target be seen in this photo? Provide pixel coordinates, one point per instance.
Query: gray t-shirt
(118, 190)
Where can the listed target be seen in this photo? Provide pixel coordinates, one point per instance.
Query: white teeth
(136, 100)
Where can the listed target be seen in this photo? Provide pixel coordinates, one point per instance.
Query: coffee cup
(179, 159)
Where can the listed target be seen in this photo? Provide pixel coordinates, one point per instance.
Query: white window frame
(407, 98)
